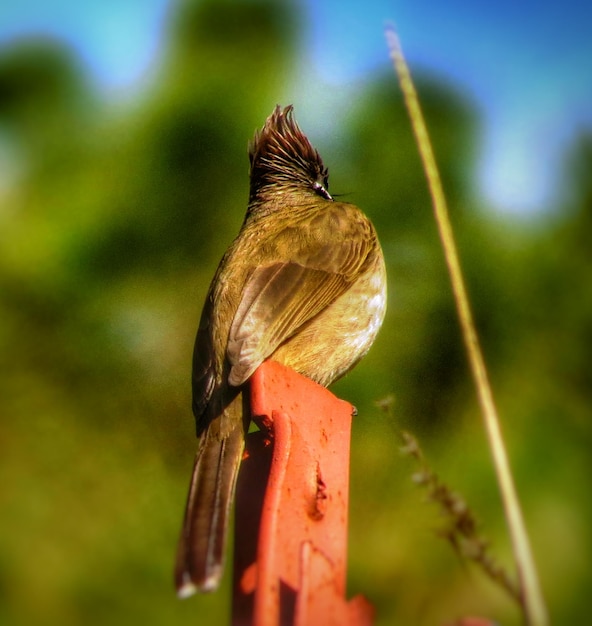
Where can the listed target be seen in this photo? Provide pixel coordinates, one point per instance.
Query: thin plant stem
(532, 599)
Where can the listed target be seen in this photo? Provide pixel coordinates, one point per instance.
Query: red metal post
(292, 508)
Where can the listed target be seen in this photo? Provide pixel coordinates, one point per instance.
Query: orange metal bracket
(292, 506)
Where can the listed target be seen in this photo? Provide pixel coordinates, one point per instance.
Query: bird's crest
(282, 157)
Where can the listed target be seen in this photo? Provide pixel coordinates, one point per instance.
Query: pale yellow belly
(336, 339)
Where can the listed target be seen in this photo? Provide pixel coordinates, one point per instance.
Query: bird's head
(283, 160)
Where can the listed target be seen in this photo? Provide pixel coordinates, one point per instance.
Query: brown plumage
(304, 284)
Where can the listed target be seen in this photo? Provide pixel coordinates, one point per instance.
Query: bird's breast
(330, 344)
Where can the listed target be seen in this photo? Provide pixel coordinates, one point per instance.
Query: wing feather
(327, 255)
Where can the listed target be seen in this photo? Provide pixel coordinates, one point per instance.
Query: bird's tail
(200, 556)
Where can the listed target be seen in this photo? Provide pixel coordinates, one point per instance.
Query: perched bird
(304, 283)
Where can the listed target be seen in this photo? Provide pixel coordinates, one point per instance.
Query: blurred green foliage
(112, 221)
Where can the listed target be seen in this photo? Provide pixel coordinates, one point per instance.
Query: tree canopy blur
(112, 221)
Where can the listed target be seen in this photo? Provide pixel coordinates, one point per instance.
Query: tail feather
(200, 556)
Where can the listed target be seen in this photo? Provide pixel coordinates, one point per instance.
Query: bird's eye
(321, 191)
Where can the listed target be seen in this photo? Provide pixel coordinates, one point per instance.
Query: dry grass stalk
(533, 604)
(461, 529)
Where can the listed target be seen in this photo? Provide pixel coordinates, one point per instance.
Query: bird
(304, 284)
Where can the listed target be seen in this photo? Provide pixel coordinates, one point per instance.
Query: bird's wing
(203, 372)
(327, 255)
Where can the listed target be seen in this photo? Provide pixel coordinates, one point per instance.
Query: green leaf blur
(112, 220)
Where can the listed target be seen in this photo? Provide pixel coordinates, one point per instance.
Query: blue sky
(527, 65)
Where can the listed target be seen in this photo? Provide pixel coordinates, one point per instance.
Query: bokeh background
(124, 176)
